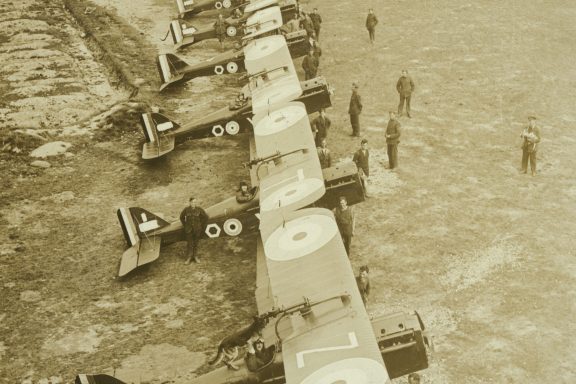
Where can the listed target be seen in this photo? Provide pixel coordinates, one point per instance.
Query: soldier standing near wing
(310, 65)
(220, 28)
(531, 137)
(354, 110)
(244, 194)
(361, 159)
(346, 222)
(405, 87)
(316, 22)
(193, 220)
(320, 127)
(371, 22)
(324, 155)
(393, 133)
(363, 283)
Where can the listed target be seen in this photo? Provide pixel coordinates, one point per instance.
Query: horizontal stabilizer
(169, 68)
(143, 253)
(96, 379)
(137, 223)
(157, 149)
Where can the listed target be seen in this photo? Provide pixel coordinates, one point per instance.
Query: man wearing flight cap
(354, 110)
(531, 138)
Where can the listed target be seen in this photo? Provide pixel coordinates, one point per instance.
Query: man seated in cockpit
(244, 194)
(257, 355)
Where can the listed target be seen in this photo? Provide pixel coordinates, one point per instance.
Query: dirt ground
(483, 253)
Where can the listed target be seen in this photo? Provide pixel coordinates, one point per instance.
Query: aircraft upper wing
(263, 21)
(273, 78)
(334, 341)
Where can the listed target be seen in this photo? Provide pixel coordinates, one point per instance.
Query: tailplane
(170, 67)
(157, 130)
(138, 226)
(182, 34)
(184, 6)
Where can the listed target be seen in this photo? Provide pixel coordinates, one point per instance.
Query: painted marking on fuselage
(353, 344)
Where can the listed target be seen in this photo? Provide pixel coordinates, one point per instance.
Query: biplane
(316, 326)
(162, 134)
(187, 8)
(184, 35)
(174, 70)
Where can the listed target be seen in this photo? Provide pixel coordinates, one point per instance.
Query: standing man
(371, 22)
(361, 158)
(193, 220)
(220, 29)
(310, 65)
(393, 133)
(320, 127)
(405, 87)
(316, 22)
(354, 110)
(531, 136)
(346, 222)
(363, 282)
(324, 155)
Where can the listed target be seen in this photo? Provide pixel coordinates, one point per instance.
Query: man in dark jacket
(405, 87)
(316, 22)
(354, 110)
(320, 127)
(363, 282)
(193, 220)
(310, 65)
(361, 159)
(324, 155)
(220, 29)
(371, 22)
(393, 133)
(346, 221)
(531, 138)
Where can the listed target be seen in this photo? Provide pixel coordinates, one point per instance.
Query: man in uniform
(193, 220)
(324, 155)
(293, 25)
(405, 87)
(346, 222)
(393, 133)
(220, 29)
(531, 136)
(320, 127)
(316, 22)
(245, 195)
(354, 110)
(361, 159)
(363, 282)
(310, 65)
(371, 22)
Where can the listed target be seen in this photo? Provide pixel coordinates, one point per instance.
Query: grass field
(485, 254)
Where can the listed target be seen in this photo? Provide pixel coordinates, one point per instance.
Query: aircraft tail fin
(159, 141)
(169, 67)
(96, 379)
(138, 226)
(184, 6)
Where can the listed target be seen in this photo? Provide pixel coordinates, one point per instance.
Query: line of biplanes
(306, 291)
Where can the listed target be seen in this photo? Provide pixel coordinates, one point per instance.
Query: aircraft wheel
(218, 69)
(232, 227)
(227, 3)
(217, 130)
(218, 5)
(232, 67)
(231, 31)
(232, 127)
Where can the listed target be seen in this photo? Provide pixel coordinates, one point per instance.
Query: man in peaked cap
(355, 109)
(531, 138)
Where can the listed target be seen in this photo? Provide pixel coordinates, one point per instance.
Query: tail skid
(169, 68)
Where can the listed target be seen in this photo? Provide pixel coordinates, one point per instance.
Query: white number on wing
(353, 344)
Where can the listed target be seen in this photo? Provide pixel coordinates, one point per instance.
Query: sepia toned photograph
(287, 192)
